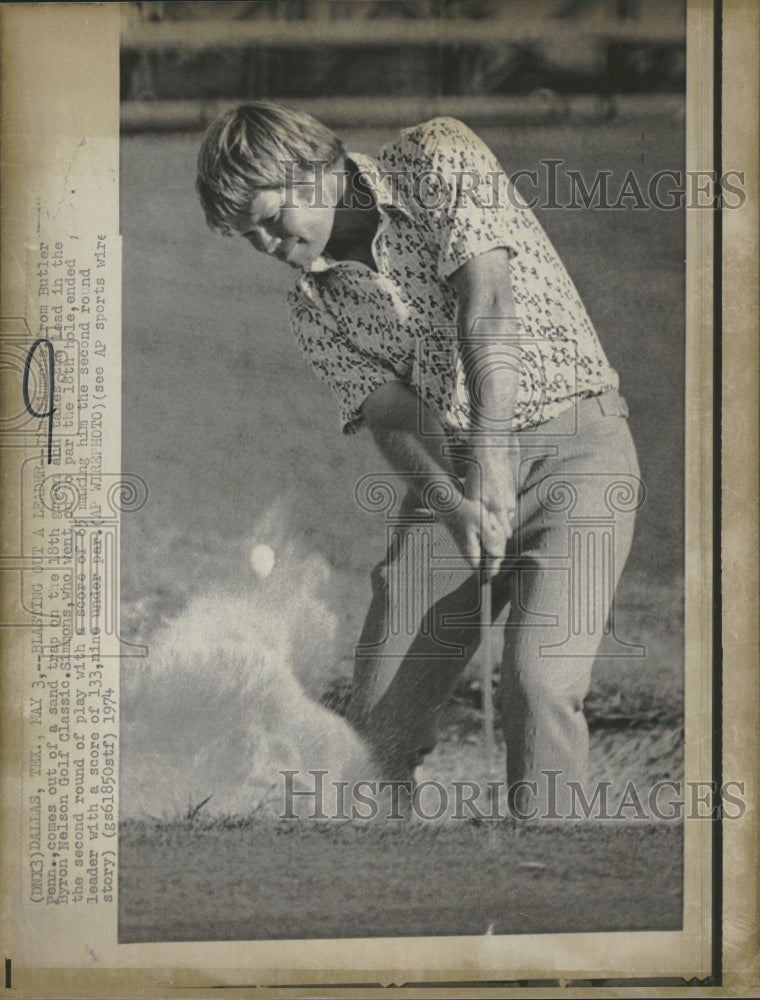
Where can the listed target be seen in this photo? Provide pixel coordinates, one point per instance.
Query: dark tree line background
(616, 61)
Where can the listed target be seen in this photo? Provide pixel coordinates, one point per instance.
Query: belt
(612, 404)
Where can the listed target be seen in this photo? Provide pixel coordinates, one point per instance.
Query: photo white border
(74, 50)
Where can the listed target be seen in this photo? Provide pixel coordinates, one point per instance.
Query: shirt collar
(389, 201)
(380, 183)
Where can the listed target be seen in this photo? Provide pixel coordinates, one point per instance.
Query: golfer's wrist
(490, 456)
(441, 494)
(486, 440)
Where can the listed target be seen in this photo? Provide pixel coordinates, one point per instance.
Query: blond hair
(255, 146)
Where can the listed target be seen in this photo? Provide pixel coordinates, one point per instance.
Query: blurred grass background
(222, 417)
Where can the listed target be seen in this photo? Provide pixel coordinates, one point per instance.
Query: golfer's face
(293, 225)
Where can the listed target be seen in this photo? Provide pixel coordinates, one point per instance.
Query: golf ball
(262, 561)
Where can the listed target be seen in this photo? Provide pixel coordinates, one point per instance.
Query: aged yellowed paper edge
(741, 473)
(73, 51)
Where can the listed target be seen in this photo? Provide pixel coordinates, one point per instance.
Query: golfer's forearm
(405, 453)
(492, 371)
(393, 416)
(489, 336)
(489, 351)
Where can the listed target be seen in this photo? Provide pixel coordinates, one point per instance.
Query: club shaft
(487, 661)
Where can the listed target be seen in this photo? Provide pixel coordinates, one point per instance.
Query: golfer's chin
(303, 254)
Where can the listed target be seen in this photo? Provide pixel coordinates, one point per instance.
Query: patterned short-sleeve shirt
(443, 199)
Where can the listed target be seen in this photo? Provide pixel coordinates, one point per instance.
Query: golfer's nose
(267, 242)
(263, 240)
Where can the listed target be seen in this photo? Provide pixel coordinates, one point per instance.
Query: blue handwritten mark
(48, 414)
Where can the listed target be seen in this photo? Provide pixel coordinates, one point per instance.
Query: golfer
(430, 300)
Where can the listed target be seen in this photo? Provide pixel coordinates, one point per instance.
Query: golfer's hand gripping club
(491, 486)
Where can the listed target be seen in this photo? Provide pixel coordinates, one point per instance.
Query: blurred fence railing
(176, 74)
(201, 35)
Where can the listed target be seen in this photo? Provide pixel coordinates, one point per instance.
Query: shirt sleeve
(351, 373)
(459, 191)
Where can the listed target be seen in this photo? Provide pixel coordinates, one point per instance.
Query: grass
(265, 882)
